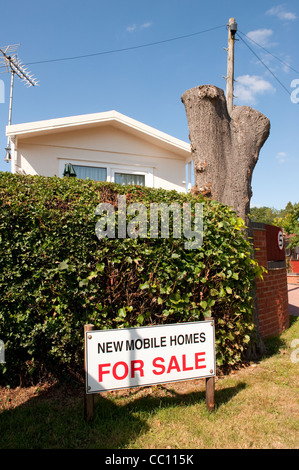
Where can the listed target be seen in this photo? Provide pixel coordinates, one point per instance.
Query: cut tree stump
(225, 148)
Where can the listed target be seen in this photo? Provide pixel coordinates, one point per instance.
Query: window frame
(112, 168)
(93, 167)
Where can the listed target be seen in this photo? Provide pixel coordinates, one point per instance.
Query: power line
(270, 53)
(269, 70)
(126, 48)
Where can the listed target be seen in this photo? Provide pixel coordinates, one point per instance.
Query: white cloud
(248, 87)
(287, 60)
(134, 27)
(281, 13)
(131, 28)
(282, 157)
(146, 25)
(261, 36)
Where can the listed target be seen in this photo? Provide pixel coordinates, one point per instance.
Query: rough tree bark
(224, 148)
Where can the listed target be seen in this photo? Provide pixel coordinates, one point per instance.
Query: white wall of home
(103, 146)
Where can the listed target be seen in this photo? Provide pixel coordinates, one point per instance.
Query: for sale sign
(133, 357)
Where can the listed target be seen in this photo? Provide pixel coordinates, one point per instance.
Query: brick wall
(272, 292)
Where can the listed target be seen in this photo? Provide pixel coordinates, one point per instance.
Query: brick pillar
(272, 292)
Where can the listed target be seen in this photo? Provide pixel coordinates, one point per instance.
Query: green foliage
(287, 218)
(56, 275)
(290, 223)
(265, 215)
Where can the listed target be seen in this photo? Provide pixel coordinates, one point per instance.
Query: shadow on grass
(293, 319)
(276, 343)
(54, 419)
(120, 420)
(273, 345)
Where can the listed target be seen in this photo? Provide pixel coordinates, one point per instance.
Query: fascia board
(115, 118)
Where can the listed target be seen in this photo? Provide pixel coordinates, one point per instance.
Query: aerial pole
(8, 146)
(11, 97)
(13, 65)
(232, 29)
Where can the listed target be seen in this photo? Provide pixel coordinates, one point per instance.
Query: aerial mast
(13, 64)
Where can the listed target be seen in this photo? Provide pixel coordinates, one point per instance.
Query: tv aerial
(10, 62)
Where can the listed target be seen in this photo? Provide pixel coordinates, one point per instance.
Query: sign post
(210, 393)
(138, 357)
(88, 399)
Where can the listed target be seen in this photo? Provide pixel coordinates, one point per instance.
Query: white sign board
(135, 357)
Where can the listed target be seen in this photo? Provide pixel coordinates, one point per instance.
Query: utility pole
(232, 29)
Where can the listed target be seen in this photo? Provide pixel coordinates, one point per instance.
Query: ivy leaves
(56, 275)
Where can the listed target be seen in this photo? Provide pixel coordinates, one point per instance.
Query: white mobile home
(104, 146)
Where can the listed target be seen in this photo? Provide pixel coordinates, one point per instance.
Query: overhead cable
(265, 65)
(113, 51)
(270, 53)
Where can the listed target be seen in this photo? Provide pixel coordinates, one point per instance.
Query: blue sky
(146, 83)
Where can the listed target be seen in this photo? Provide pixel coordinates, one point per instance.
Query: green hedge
(56, 275)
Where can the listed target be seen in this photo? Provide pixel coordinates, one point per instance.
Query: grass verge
(256, 407)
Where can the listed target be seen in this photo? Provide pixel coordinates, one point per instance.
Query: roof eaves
(87, 119)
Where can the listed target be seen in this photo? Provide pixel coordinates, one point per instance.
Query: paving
(293, 292)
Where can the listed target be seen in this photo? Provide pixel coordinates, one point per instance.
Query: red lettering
(160, 366)
(198, 359)
(137, 366)
(184, 364)
(101, 371)
(126, 370)
(173, 364)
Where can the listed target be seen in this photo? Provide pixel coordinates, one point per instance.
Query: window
(130, 175)
(128, 178)
(110, 172)
(91, 172)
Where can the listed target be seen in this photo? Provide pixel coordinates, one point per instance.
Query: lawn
(256, 407)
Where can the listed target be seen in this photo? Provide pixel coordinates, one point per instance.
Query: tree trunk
(224, 148)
